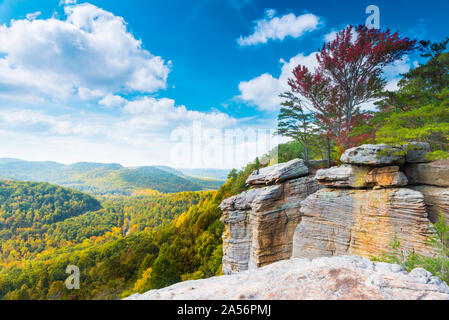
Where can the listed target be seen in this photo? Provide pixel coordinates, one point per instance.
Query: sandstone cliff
(259, 223)
(380, 195)
(362, 222)
(337, 278)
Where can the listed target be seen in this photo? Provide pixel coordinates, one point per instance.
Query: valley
(111, 179)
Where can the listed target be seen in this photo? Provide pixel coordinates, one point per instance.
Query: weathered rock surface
(374, 155)
(352, 176)
(416, 152)
(364, 210)
(437, 201)
(337, 278)
(434, 173)
(278, 173)
(362, 222)
(259, 224)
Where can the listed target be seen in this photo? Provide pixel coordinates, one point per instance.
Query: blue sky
(113, 81)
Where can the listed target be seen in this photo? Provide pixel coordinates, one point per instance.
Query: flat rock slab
(278, 173)
(352, 176)
(434, 173)
(337, 278)
(374, 155)
(416, 152)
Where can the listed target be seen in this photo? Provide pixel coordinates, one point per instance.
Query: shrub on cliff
(438, 265)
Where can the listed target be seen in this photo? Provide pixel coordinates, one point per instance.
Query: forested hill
(23, 204)
(44, 228)
(130, 245)
(106, 179)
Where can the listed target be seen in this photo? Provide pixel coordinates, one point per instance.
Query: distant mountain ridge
(106, 179)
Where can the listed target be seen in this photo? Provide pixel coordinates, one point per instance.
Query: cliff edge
(336, 278)
(380, 195)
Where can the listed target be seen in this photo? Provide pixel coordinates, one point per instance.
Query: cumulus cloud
(331, 36)
(164, 111)
(264, 90)
(112, 100)
(272, 27)
(89, 55)
(88, 94)
(142, 127)
(91, 49)
(398, 67)
(34, 121)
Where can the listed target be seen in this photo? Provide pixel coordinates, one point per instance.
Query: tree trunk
(306, 153)
(328, 152)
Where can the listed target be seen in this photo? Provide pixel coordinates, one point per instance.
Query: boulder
(362, 222)
(374, 155)
(434, 173)
(278, 173)
(436, 200)
(337, 278)
(259, 224)
(416, 152)
(351, 176)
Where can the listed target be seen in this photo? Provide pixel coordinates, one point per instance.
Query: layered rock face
(337, 278)
(381, 195)
(432, 180)
(366, 207)
(352, 176)
(437, 201)
(259, 223)
(435, 173)
(362, 222)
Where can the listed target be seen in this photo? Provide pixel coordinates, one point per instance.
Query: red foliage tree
(349, 73)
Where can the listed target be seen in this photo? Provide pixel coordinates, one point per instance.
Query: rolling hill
(107, 179)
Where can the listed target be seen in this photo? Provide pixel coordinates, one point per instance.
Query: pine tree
(294, 122)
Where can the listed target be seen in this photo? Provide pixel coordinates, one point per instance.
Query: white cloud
(331, 36)
(88, 55)
(112, 101)
(91, 49)
(137, 134)
(278, 28)
(263, 91)
(67, 2)
(164, 111)
(394, 71)
(87, 94)
(32, 16)
(33, 121)
(398, 67)
(300, 59)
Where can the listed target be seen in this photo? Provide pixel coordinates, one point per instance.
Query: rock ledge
(336, 278)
